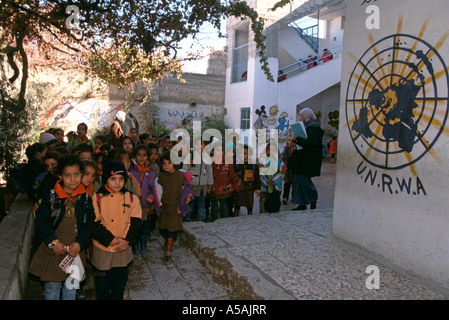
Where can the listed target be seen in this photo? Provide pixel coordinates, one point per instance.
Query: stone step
(243, 279)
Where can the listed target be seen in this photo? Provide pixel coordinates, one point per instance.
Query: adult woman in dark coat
(306, 162)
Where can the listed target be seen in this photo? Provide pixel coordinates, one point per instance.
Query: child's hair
(88, 163)
(68, 161)
(57, 130)
(32, 150)
(52, 155)
(143, 136)
(152, 146)
(82, 147)
(82, 124)
(97, 155)
(106, 148)
(118, 153)
(101, 137)
(125, 138)
(63, 151)
(71, 134)
(166, 156)
(138, 148)
(246, 147)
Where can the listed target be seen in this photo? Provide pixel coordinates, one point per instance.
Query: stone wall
(16, 232)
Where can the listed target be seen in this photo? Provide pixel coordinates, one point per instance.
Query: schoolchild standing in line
(145, 177)
(172, 193)
(249, 182)
(134, 135)
(288, 179)
(89, 176)
(271, 183)
(153, 157)
(64, 220)
(132, 185)
(203, 180)
(118, 219)
(226, 182)
(153, 161)
(81, 131)
(127, 144)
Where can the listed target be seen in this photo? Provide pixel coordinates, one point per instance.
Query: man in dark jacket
(306, 162)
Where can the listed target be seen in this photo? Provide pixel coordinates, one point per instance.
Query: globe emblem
(397, 101)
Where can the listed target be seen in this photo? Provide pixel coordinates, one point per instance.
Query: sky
(206, 39)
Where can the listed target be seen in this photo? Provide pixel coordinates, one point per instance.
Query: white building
(321, 24)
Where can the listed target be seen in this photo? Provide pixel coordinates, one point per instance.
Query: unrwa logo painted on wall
(397, 108)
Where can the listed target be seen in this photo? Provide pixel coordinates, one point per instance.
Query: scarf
(110, 190)
(143, 170)
(63, 195)
(85, 140)
(90, 189)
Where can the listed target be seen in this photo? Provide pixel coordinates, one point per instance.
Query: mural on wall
(275, 120)
(92, 112)
(397, 108)
(174, 117)
(260, 123)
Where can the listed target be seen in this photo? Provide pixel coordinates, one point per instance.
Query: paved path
(289, 255)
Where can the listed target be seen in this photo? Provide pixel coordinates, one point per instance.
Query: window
(245, 118)
(240, 56)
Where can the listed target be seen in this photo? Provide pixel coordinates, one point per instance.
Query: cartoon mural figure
(283, 121)
(260, 123)
(272, 117)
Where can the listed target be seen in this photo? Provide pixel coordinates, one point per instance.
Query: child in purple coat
(145, 177)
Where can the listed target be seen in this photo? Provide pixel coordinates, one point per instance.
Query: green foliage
(214, 121)
(15, 125)
(160, 131)
(280, 4)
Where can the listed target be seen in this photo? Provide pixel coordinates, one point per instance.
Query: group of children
(102, 202)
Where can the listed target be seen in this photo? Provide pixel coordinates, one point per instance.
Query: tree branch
(10, 52)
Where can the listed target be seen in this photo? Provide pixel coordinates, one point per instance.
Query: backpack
(19, 175)
(37, 185)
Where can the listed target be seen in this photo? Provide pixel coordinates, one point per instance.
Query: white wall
(371, 210)
(291, 41)
(302, 86)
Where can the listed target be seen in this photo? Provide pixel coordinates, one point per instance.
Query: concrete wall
(391, 189)
(95, 103)
(16, 231)
(200, 96)
(280, 99)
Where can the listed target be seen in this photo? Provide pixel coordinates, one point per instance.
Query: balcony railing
(309, 35)
(308, 63)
